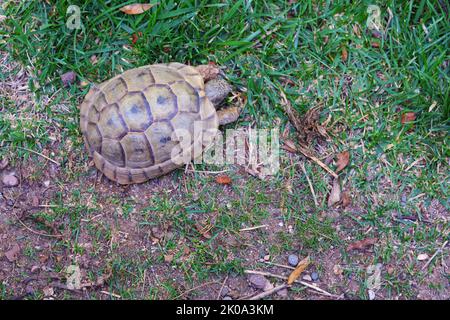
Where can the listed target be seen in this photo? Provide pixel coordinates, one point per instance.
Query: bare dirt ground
(138, 242)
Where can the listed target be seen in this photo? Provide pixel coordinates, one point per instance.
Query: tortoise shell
(135, 124)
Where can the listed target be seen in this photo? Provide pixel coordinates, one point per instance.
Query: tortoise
(131, 123)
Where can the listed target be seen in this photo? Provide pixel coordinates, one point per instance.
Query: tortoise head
(217, 90)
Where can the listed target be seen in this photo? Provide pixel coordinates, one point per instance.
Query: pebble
(307, 277)
(314, 276)
(227, 298)
(10, 180)
(283, 293)
(225, 291)
(371, 295)
(293, 260)
(258, 281)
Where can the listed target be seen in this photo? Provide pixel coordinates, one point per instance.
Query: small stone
(267, 257)
(225, 291)
(227, 298)
(283, 293)
(13, 253)
(337, 270)
(258, 281)
(293, 260)
(371, 294)
(307, 277)
(46, 183)
(68, 78)
(10, 180)
(314, 276)
(3, 163)
(422, 257)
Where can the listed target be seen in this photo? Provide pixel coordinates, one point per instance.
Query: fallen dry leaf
(344, 54)
(335, 194)
(375, 44)
(204, 229)
(346, 199)
(135, 37)
(362, 244)
(223, 179)
(168, 258)
(408, 117)
(13, 253)
(301, 266)
(356, 30)
(342, 160)
(136, 8)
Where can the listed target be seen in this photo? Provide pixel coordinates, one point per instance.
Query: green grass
(266, 47)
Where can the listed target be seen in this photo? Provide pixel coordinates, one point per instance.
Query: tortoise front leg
(228, 115)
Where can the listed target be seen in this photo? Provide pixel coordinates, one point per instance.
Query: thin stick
(195, 288)
(310, 184)
(279, 265)
(208, 172)
(307, 154)
(434, 255)
(221, 288)
(40, 154)
(269, 292)
(306, 284)
(111, 294)
(254, 228)
(37, 232)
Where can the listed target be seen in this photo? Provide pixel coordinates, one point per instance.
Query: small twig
(37, 232)
(307, 154)
(269, 292)
(221, 288)
(310, 184)
(279, 265)
(306, 284)
(195, 288)
(111, 294)
(41, 155)
(434, 255)
(254, 228)
(209, 172)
